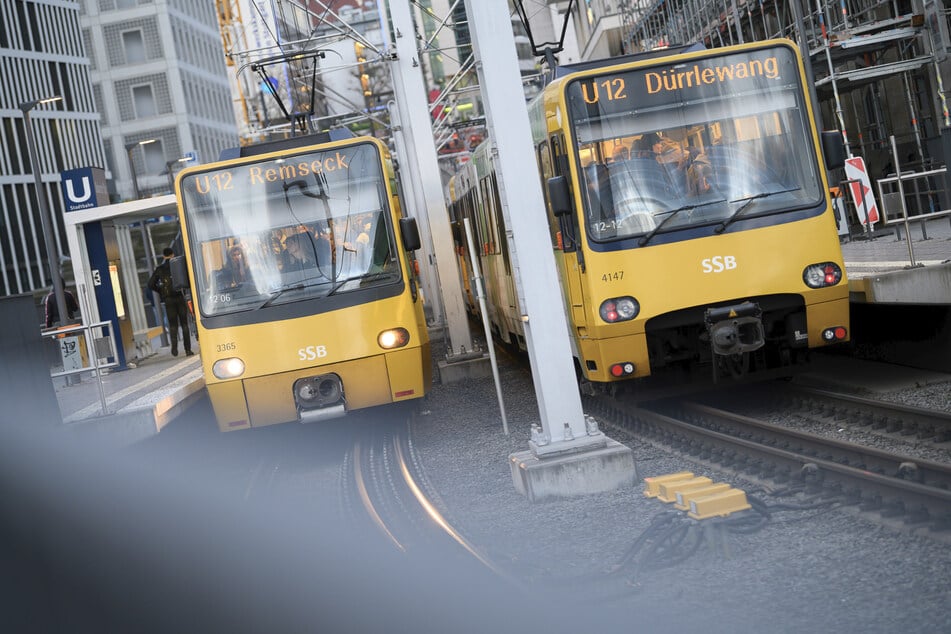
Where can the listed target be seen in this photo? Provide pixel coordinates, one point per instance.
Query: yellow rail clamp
(684, 497)
(668, 490)
(653, 483)
(718, 504)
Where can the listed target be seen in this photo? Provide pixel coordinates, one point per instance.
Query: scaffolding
(877, 66)
(275, 55)
(231, 26)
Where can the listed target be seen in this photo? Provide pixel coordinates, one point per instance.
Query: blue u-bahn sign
(84, 188)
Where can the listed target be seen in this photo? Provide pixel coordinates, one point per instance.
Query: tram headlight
(822, 275)
(393, 338)
(619, 309)
(229, 368)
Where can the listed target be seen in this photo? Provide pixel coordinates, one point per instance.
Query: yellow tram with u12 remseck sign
(688, 206)
(302, 273)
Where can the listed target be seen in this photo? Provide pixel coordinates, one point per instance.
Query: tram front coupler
(735, 329)
(319, 398)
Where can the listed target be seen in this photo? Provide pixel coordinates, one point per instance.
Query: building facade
(142, 85)
(158, 77)
(42, 57)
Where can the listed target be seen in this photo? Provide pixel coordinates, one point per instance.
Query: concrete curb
(145, 417)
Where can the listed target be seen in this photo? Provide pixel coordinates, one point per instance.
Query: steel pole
(135, 178)
(421, 164)
(904, 208)
(806, 62)
(563, 424)
(46, 220)
(835, 89)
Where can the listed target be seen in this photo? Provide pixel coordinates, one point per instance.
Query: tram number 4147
(616, 276)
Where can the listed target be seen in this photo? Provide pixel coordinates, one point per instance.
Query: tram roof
(567, 69)
(336, 134)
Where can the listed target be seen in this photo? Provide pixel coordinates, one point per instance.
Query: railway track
(896, 489)
(383, 482)
(870, 414)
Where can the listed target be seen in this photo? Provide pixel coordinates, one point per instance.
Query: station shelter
(106, 269)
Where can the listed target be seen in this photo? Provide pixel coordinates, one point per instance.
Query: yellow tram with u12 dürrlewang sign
(689, 212)
(303, 276)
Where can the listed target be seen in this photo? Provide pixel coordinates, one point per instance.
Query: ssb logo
(718, 263)
(312, 353)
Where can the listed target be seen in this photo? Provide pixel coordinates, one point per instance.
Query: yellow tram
(303, 276)
(689, 213)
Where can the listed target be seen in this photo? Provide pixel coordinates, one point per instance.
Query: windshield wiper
(364, 278)
(279, 292)
(673, 212)
(749, 201)
(296, 286)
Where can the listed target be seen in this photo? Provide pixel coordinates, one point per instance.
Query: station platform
(883, 268)
(139, 400)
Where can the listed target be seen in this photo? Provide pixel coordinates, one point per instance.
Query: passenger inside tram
(301, 253)
(235, 271)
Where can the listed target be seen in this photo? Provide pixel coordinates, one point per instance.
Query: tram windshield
(706, 141)
(285, 229)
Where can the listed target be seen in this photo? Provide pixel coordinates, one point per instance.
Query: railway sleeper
(811, 474)
(891, 509)
(917, 517)
(926, 431)
(852, 495)
(941, 522)
(870, 503)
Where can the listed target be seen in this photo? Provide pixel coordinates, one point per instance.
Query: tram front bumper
(365, 382)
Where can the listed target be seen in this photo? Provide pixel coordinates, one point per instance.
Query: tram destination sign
(717, 77)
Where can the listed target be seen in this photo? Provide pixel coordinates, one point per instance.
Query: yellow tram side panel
(669, 277)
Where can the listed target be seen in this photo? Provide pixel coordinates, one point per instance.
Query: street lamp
(45, 219)
(128, 150)
(147, 249)
(171, 174)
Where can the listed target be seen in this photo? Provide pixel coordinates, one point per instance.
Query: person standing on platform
(52, 310)
(176, 308)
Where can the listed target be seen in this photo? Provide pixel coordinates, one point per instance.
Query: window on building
(134, 45)
(154, 157)
(144, 101)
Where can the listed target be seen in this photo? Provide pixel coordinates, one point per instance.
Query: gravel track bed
(825, 570)
(932, 397)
